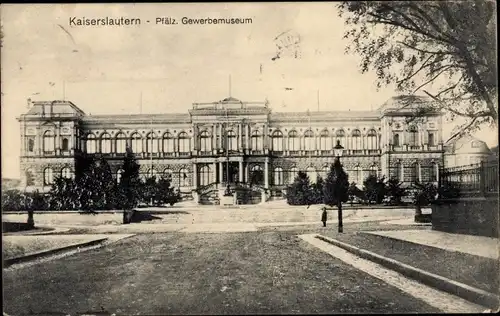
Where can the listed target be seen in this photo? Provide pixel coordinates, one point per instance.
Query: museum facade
(229, 141)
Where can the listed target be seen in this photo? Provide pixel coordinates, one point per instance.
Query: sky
(110, 69)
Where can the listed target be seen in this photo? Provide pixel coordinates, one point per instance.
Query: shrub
(375, 189)
(394, 191)
(336, 185)
(300, 191)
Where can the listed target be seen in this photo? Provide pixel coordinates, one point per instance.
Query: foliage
(130, 182)
(158, 191)
(445, 49)
(374, 189)
(394, 191)
(317, 196)
(424, 194)
(354, 192)
(15, 200)
(256, 177)
(336, 185)
(300, 191)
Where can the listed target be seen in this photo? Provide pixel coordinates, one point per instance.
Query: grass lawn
(15, 246)
(476, 271)
(235, 273)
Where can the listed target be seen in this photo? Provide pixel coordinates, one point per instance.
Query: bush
(300, 191)
(336, 185)
(354, 193)
(375, 189)
(395, 192)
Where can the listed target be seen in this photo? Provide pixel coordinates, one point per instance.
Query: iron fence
(474, 179)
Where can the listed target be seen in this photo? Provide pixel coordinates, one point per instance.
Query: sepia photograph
(249, 158)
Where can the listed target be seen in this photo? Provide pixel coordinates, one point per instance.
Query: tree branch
(463, 129)
(426, 51)
(442, 68)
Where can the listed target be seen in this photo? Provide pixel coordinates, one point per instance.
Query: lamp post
(338, 149)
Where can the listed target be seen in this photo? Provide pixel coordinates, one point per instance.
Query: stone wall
(467, 215)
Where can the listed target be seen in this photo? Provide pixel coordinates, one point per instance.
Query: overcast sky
(105, 69)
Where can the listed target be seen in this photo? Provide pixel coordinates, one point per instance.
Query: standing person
(324, 216)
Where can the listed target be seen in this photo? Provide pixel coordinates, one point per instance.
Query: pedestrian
(324, 216)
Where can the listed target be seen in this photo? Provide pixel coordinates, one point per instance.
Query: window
(65, 144)
(373, 171)
(205, 141)
(66, 173)
(31, 145)
(167, 173)
(371, 138)
(414, 173)
(278, 176)
(358, 175)
(433, 172)
(105, 143)
(136, 143)
(340, 136)
(356, 140)
(309, 140)
(395, 140)
(48, 141)
(256, 140)
(413, 132)
(168, 143)
(325, 142)
(205, 175)
(398, 174)
(121, 143)
(48, 176)
(293, 173)
(30, 177)
(324, 172)
(91, 144)
(430, 139)
(311, 173)
(151, 173)
(293, 141)
(183, 177)
(232, 141)
(184, 143)
(119, 175)
(151, 143)
(277, 137)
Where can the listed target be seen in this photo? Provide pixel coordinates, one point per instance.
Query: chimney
(52, 108)
(28, 105)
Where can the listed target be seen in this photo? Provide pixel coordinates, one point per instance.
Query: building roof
(467, 145)
(56, 108)
(407, 103)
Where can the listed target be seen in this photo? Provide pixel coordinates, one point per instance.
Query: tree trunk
(418, 210)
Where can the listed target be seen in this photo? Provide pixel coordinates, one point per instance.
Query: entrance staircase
(245, 194)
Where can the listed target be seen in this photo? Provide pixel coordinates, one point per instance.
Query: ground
(266, 272)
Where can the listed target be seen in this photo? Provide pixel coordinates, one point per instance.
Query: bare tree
(444, 49)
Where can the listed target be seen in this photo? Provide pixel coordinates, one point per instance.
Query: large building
(232, 140)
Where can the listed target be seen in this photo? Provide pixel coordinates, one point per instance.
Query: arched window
(91, 144)
(256, 140)
(119, 175)
(183, 177)
(430, 139)
(358, 175)
(205, 141)
(434, 172)
(414, 172)
(324, 172)
(151, 173)
(278, 176)
(136, 143)
(168, 143)
(293, 173)
(121, 143)
(398, 173)
(373, 170)
(340, 136)
(66, 173)
(48, 141)
(48, 177)
(413, 133)
(105, 143)
(205, 175)
(277, 137)
(309, 140)
(65, 144)
(325, 142)
(232, 143)
(151, 143)
(30, 177)
(293, 141)
(167, 173)
(371, 139)
(395, 140)
(31, 145)
(184, 143)
(311, 173)
(356, 139)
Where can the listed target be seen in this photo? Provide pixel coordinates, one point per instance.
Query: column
(58, 139)
(195, 175)
(214, 137)
(266, 174)
(246, 173)
(214, 167)
(220, 172)
(247, 136)
(39, 142)
(240, 170)
(240, 139)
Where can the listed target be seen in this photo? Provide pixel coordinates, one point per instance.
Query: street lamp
(338, 149)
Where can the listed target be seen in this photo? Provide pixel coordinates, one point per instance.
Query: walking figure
(324, 216)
